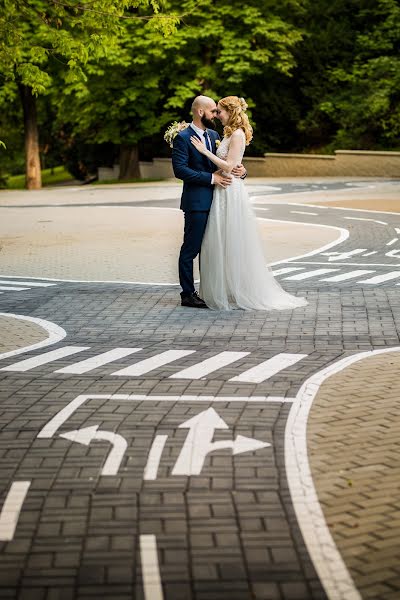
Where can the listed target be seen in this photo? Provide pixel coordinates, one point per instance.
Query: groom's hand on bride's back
(222, 180)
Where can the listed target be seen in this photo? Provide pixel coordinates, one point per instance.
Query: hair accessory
(243, 103)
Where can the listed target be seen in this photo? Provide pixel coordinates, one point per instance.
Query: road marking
(149, 364)
(394, 253)
(153, 461)
(88, 434)
(13, 288)
(199, 444)
(309, 274)
(363, 219)
(30, 283)
(42, 359)
(11, 509)
(268, 368)
(150, 569)
(371, 253)
(97, 361)
(342, 255)
(303, 212)
(64, 414)
(327, 560)
(287, 270)
(381, 278)
(209, 365)
(55, 334)
(349, 275)
(393, 241)
(397, 230)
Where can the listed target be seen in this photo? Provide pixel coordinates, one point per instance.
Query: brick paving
(230, 531)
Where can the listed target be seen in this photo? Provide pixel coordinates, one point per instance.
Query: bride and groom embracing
(220, 225)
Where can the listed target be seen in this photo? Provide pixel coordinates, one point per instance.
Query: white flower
(217, 143)
(173, 130)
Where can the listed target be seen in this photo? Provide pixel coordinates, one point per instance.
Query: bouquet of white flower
(173, 131)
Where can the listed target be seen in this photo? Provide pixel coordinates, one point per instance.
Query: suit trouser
(195, 226)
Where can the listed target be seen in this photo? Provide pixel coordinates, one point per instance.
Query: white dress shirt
(202, 133)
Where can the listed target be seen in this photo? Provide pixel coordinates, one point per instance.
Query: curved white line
(368, 210)
(344, 234)
(324, 554)
(55, 334)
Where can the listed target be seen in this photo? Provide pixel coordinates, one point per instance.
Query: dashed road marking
(381, 278)
(209, 365)
(30, 283)
(308, 275)
(13, 288)
(287, 270)
(153, 460)
(11, 509)
(149, 364)
(268, 368)
(43, 359)
(89, 364)
(150, 569)
(345, 276)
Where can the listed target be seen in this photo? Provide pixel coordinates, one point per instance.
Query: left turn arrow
(88, 434)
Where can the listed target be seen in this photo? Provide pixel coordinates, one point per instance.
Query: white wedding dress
(233, 269)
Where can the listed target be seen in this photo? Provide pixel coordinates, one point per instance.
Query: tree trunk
(33, 176)
(129, 162)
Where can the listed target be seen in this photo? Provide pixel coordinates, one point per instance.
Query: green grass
(59, 174)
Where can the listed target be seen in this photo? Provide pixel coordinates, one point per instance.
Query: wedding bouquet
(173, 131)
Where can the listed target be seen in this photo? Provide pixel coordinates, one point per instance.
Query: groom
(199, 176)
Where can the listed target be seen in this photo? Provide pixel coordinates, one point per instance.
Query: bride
(233, 271)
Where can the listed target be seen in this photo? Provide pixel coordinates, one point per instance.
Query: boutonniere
(173, 130)
(217, 143)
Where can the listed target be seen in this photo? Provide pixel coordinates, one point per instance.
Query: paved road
(148, 445)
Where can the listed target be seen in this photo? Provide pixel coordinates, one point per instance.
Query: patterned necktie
(207, 140)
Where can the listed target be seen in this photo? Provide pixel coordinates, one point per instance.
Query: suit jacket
(194, 169)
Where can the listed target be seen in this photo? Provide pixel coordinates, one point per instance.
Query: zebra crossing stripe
(89, 364)
(12, 288)
(287, 270)
(268, 368)
(349, 275)
(309, 274)
(30, 283)
(381, 278)
(149, 364)
(43, 359)
(209, 365)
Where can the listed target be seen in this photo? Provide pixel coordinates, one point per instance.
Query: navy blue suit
(196, 171)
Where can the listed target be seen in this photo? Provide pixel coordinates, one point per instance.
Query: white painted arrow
(88, 434)
(199, 442)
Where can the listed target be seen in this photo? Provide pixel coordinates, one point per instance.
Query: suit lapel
(205, 159)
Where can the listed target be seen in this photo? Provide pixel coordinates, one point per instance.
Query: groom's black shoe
(193, 300)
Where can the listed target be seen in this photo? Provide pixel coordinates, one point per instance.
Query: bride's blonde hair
(236, 107)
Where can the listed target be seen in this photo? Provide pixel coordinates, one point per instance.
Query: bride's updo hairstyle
(236, 107)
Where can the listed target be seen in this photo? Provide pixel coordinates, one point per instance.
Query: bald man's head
(204, 110)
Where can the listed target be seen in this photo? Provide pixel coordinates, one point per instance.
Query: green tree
(37, 37)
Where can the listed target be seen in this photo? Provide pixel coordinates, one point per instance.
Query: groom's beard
(208, 123)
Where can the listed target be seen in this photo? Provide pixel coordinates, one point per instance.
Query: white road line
(370, 253)
(11, 509)
(309, 274)
(268, 368)
(346, 264)
(349, 275)
(397, 230)
(381, 278)
(63, 415)
(30, 283)
(150, 569)
(303, 212)
(363, 219)
(43, 359)
(321, 546)
(149, 364)
(12, 288)
(89, 364)
(393, 241)
(209, 365)
(153, 461)
(55, 334)
(287, 270)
